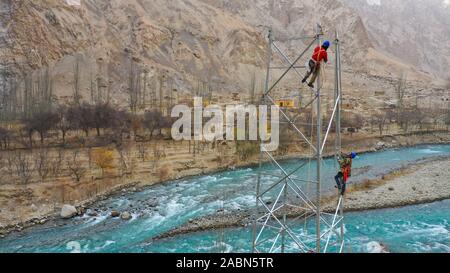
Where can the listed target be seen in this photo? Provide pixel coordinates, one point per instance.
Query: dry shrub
(103, 158)
(246, 150)
(163, 173)
(366, 185)
(127, 162)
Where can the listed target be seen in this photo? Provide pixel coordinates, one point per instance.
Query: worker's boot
(343, 188)
(338, 183)
(311, 85)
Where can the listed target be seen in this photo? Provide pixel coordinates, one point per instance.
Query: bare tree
(142, 151)
(41, 122)
(9, 99)
(22, 166)
(159, 151)
(158, 154)
(127, 163)
(23, 138)
(436, 116)
(346, 120)
(349, 120)
(154, 121)
(419, 117)
(135, 125)
(144, 90)
(161, 91)
(134, 85)
(103, 117)
(153, 85)
(56, 164)
(358, 121)
(252, 88)
(390, 115)
(94, 86)
(2, 164)
(285, 139)
(75, 166)
(400, 90)
(170, 96)
(44, 90)
(5, 136)
(447, 121)
(380, 120)
(447, 84)
(76, 81)
(29, 129)
(42, 163)
(405, 119)
(9, 164)
(64, 125)
(27, 94)
(81, 117)
(123, 123)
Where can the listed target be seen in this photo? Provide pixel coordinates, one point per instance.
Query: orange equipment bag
(346, 172)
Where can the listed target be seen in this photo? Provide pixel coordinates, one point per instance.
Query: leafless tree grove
(75, 166)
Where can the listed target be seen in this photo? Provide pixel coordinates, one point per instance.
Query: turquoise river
(159, 208)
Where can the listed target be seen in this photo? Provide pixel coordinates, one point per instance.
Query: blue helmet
(353, 154)
(326, 44)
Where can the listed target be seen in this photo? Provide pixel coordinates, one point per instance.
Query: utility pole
(319, 142)
(338, 142)
(258, 182)
(277, 192)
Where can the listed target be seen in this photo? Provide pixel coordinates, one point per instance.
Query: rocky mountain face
(291, 19)
(176, 44)
(415, 31)
(184, 41)
(367, 46)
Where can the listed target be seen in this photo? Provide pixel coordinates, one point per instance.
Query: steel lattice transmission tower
(284, 193)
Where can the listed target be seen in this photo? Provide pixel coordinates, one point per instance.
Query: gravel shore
(423, 183)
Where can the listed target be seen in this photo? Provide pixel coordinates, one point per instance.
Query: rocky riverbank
(424, 181)
(421, 183)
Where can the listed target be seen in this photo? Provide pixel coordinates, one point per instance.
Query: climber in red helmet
(320, 54)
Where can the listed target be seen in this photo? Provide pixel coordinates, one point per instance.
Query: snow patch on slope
(73, 2)
(374, 2)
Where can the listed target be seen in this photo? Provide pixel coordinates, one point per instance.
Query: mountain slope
(184, 40)
(175, 43)
(291, 18)
(416, 31)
